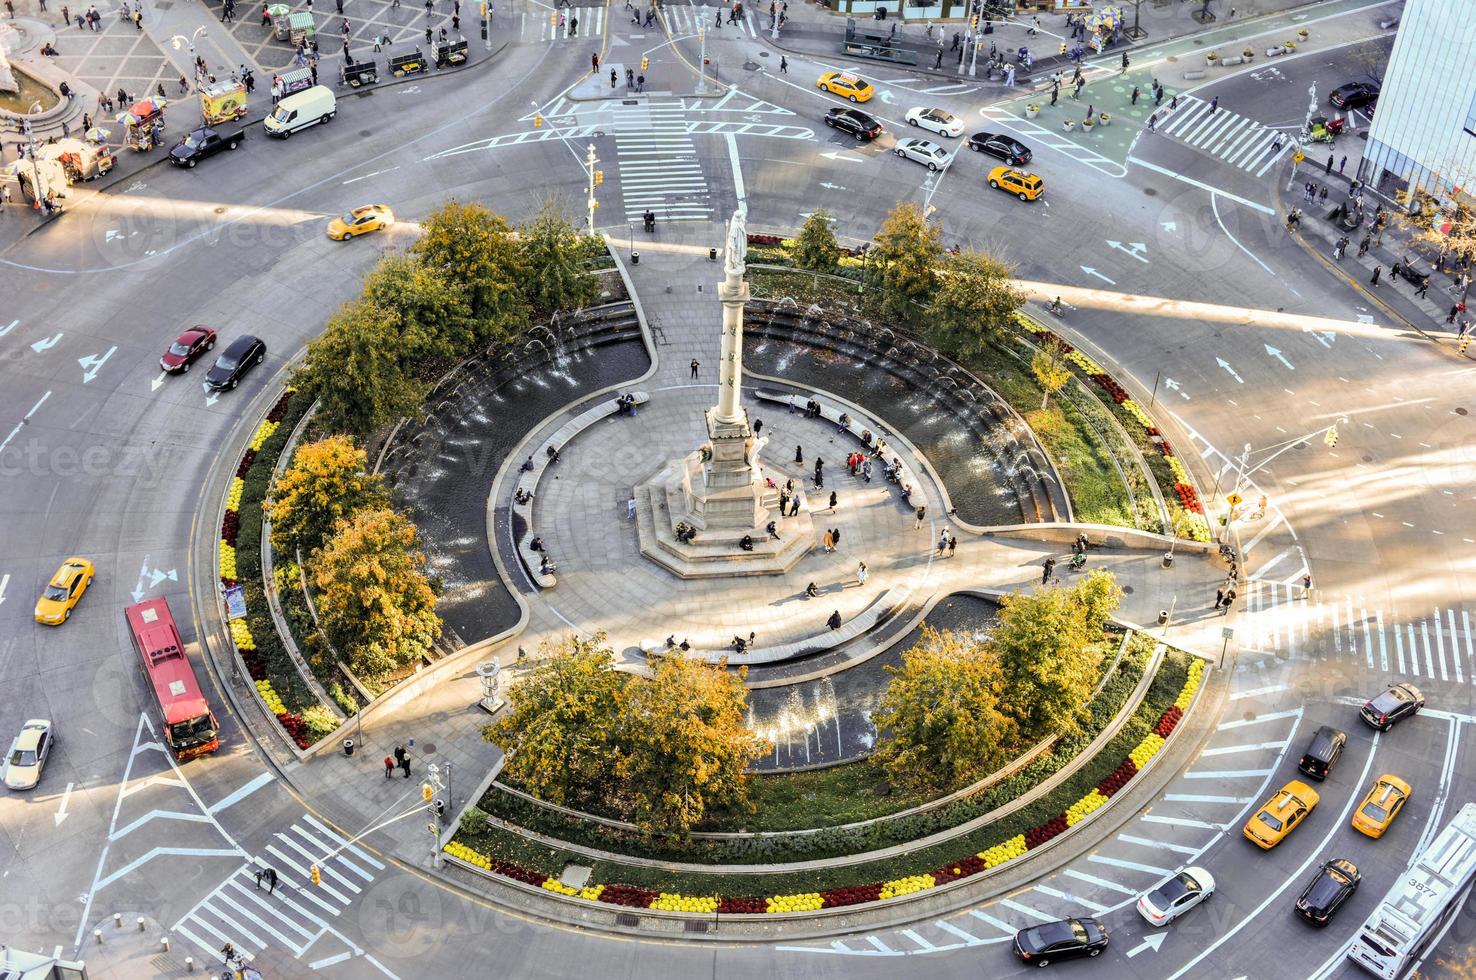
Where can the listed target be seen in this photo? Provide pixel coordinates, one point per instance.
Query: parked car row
(1334, 882)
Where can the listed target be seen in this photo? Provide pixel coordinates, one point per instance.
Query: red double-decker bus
(190, 728)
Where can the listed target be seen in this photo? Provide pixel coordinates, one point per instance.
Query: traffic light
(1330, 438)
(974, 22)
(553, 19)
(599, 177)
(316, 875)
(1465, 342)
(645, 63)
(427, 792)
(537, 121)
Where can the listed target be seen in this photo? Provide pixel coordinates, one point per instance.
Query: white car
(940, 122)
(925, 152)
(27, 755)
(1175, 895)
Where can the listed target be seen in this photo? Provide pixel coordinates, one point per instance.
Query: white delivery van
(306, 108)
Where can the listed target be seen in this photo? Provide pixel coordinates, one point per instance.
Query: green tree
(815, 247)
(327, 481)
(356, 371)
(686, 750)
(553, 253)
(940, 720)
(1050, 645)
(1051, 369)
(471, 245)
(374, 603)
(562, 736)
(434, 315)
(975, 302)
(901, 270)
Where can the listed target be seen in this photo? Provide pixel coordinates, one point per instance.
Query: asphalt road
(109, 463)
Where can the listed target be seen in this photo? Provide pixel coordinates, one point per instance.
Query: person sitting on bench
(746, 543)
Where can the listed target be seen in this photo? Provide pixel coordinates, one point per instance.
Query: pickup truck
(204, 143)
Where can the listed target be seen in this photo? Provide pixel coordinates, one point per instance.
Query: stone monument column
(734, 293)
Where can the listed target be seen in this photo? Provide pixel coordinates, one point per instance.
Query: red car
(190, 345)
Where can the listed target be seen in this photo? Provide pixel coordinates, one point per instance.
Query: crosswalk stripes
(683, 20)
(588, 22)
(659, 169)
(1239, 141)
(296, 914)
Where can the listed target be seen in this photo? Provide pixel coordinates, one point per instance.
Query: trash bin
(712, 255)
(635, 258)
(1163, 616)
(1168, 559)
(348, 746)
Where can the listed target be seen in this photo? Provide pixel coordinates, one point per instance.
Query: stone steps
(715, 554)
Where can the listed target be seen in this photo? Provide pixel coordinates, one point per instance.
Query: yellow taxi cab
(64, 591)
(1381, 805)
(360, 221)
(1282, 814)
(1025, 186)
(846, 85)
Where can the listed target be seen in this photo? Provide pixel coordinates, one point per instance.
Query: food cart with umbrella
(279, 13)
(1103, 23)
(143, 124)
(78, 160)
(302, 27)
(96, 135)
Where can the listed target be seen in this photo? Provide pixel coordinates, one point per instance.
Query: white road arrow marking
(158, 576)
(212, 398)
(1273, 352)
(1093, 272)
(143, 573)
(1226, 365)
(61, 811)
(45, 345)
(1323, 337)
(5, 330)
(410, 90)
(1135, 249)
(158, 382)
(1169, 225)
(93, 363)
(831, 187)
(843, 155)
(887, 97)
(4, 584)
(1152, 942)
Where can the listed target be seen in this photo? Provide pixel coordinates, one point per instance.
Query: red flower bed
(742, 906)
(1039, 835)
(295, 727)
(523, 874)
(255, 664)
(627, 895)
(971, 865)
(245, 464)
(229, 525)
(757, 239)
(279, 410)
(1189, 497)
(854, 895)
(1118, 778)
(1164, 449)
(1168, 722)
(1118, 392)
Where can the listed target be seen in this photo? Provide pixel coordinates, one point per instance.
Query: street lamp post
(701, 60)
(37, 191)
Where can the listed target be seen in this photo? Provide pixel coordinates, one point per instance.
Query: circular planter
(1105, 119)
(1031, 111)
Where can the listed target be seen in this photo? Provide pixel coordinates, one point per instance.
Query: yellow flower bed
(1085, 363)
(1136, 411)
(227, 560)
(233, 500)
(806, 902)
(262, 435)
(462, 852)
(1083, 807)
(591, 893)
(273, 702)
(1181, 475)
(1191, 684)
(1146, 750)
(1199, 529)
(241, 634)
(555, 885)
(1000, 853)
(671, 902)
(906, 886)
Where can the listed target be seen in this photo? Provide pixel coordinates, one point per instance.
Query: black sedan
(1005, 148)
(1399, 702)
(1065, 939)
(231, 366)
(1354, 95)
(853, 121)
(1334, 884)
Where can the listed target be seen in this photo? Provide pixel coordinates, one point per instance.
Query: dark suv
(1005, 148)
(1334, 883)
(1399, 702)
(853, 121)
(1323, 753)
(231, 366)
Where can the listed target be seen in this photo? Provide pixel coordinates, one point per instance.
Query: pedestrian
(829, 542)
(86, 121)
(1395, 269)
(594, 67)
(138, 20)
(640, 83)
(1055, 92)
(861, 573)
(1080, 84)
(389, 767)
(266, 15)
(695, 363)
(1047, 568)
(938, 62)
(1219, 597)
(66, 15)
(758, 426)
(920, 513)
(1340, 248)
(456, 23)
(260, 873)
(1363, 246)
(429, 36)
(834, 622)
(1322, 193)
(1229, 598)
(1124, 64)
(1342, 163)
(1173, 103)
(271, 877)
(1152, 122)
(952, 544)
(378, 42)
(1378, 271)
(405, 761)
(832, 501)
(1136, 93)
(630, 78)
(783, 65)
(819, 475)
(942, 543)
(573, 25)
(835, 536)
(1454, 310)
(794, 506)
(1307, 586)
(1424, 285)
(799, 454)
(1009, 77)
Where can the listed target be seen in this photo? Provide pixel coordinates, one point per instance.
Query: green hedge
(832, 841)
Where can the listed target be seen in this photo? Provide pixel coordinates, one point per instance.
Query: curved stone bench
(541, 461)
(832, 415)
(713, 648)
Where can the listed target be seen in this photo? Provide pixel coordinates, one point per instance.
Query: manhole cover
(1151, 191)
(428, 748)
(366, 132)
(1366, 459)
(1249, 716)
(763, 54)
(1462, 411)
(220, 210)
(1127, 590)
(750, 66)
